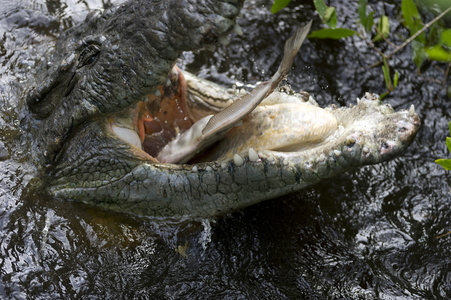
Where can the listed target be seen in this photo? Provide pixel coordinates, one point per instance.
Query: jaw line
(124, 131)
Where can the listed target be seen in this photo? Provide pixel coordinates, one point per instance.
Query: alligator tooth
(253, 156)
(157, 93)
(174, 70)
(224, 40)
(412, 111)
(195, 169)
(208, 169)
(168, 82)
(238, 160)
(237, 29)
(128, 135)
(337, 153)
(358, 101)
(365, 150)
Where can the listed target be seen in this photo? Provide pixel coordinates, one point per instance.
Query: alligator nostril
(402, 129)
(384, 145)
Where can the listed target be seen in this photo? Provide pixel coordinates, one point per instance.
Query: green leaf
(369, 22)
(448, 143)
(362, 11)
(410, 13)
(321, 7)
(383, 28)
(329, 33)
(326, 13)
(445, 163)
(330, 17)
(386, 71)
(278, 5)
(366, 20)
(438, 53)
(445, 37)
(412, 19)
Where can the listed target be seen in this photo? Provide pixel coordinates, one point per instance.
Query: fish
(212, 128)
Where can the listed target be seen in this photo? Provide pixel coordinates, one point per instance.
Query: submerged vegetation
(428, 41)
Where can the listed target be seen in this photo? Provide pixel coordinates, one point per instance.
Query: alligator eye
(88, 55)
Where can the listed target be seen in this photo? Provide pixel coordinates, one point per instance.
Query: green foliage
(446, 163)
(383, 29)
(278, 5)
(412, 18)
(413, 22)
(423, 46)
(391, 85)
(435, 45)
(329, 33)
(326, 13)
(328, 16)
(366, 20)
(442, 50)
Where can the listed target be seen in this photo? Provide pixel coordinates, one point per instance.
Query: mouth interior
(166, 114)
(158, 119)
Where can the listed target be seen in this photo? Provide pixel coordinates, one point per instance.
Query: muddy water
(373, 233)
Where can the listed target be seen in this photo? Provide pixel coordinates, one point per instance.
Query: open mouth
(287, 125)
(170, 131)
(178, 124)
(160, 118)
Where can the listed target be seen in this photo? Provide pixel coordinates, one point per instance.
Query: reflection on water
(372, 233)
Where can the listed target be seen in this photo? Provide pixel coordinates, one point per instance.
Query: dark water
(375, 233)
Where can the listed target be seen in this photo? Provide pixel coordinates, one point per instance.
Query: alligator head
(112, 98)
(113, 60)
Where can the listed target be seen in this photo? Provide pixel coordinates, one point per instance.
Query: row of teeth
(237, 160)
(254, 157)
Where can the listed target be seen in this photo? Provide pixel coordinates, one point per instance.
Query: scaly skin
(100, 70)
(112, 177)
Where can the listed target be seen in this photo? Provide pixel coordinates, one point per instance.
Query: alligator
(109, 97)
